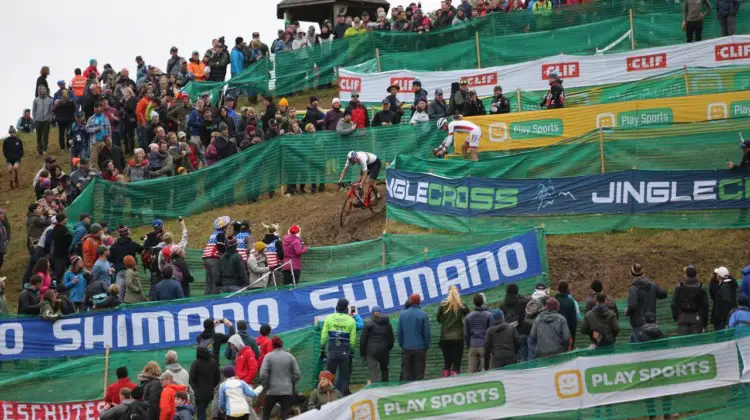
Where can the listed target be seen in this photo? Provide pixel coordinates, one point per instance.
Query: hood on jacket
(270, 237)
(499, 325)
(381, 320)
(691, 282)
(547, 316)
(203, 353)
(601, 311)
(642, 283)
(142, 377)
(236, 340)
(511, 301)
(538, 294)
(186, 407)
(289, 239)
(173, 367)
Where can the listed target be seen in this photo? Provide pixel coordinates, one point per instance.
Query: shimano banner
(617, 192)
(178, 324)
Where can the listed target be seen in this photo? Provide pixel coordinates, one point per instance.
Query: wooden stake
(518, 99)
(687, 84)
(479, 54)
(383, 257)
(377, 57)
(106, 368)
(632, 30)
(601, 147)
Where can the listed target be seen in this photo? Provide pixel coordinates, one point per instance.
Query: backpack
(177, 273)
(511, 316)
(153, 264)
(137, 410)
(208, 343)
(533, 308)
(688, 298)
(78, 249)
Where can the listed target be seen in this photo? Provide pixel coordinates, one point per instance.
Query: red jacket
(113, 391)
(167, 409)
(246, 365)
(265, 346)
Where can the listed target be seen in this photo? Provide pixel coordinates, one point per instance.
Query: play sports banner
(149, 327)
(541, 128)
(628, 192)
(576, 71)
(580, 383)
(84, 410)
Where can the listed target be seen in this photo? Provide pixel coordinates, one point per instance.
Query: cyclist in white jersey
(459, 126)
(369, 164)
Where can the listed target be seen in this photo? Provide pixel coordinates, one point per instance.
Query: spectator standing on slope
(437, 108)
(414, 339)
(213, 340)
(204, 377)
(212, 253)
(514, 313)
(596, 288)
(294, 248)
(690, 304)
(501, 343)
(475, 330)
(41, 111)
(499, 103)
(740, 317)
(450, 315)
(534, 307)
(555, 97)
(642, 297)
(723, 289)
(601, 321)
(693, 14)
(113, 391)
(726, 12)
(550, 332)
(337, 343)
(376, 344)
(13, 153)
(278, 375)
(568, 309)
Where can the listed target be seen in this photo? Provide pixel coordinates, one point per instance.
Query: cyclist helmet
(352, 155)
(157, 224)
(441, 122)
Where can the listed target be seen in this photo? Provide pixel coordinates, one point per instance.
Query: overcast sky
(65, 34)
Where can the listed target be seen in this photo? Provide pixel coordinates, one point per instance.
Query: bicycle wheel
(376, 206)
(346, 211)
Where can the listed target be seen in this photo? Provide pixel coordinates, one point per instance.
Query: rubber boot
(445, 373)
(454, 373)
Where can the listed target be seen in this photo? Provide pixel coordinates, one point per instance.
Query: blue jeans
(338, 364)
(142, 139)
(523, 352)
(200, 408)
(634, 338)
(531, 355)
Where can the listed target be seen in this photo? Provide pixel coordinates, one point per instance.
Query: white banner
(580, 383)
(743, 344)
(576, 71)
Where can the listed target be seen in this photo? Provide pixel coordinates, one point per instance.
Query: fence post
(479, 53)
(518, 99)
(632, 30)
(377, 57)
(601, 147)
(281, 173)
(383, 257)
(687, 84)
(106, 367)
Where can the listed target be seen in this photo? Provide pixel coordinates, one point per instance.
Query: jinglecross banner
(617, 192)
(156, 327)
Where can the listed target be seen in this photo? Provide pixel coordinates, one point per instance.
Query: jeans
(378, 368)
(453, 352)
(42, 136)
(120, 281)
(339, 364)
(285, 402)
(476, 359)
(200, 408)
(523, 351)
(634, 337)
(727, 25)
(694, 30)
(62, 131)
(531, 355)
(142, 140)
(414, 364)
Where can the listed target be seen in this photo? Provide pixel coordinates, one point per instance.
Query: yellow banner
(541, 128)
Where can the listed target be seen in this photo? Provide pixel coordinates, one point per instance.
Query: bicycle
(354, 200)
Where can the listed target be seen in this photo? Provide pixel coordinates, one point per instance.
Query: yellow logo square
(569, 383)
(363, 410)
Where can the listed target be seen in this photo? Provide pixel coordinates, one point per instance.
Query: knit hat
(342, 305)
(277, 342)
(690, 271)
(313, 99)
(283, 102)
(375, 309)
(123, 230)
(335, 101)
(95, 228)
(552, 304)
(136, 393)
(498, 315)
(153, 147)
(328, 375)
(231, 241)
(223, 126)
(744, 299)
(636, 270)
(415, 299)
(12, 130)
(649, 317)
(260, 246)
(101, 249)
(294, 229)
(228, 371)
(74, 259)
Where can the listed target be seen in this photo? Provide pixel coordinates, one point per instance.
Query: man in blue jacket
(414, 339)
(167, 288)
(80, 230)
(475, 330)
(237, 58)
(195, 124)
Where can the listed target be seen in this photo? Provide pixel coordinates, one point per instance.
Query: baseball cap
(721, 272)
(195, 52)
(385, 101)
(438, 92)
(541, 286)
(256, 35)
(173, 49)
(498, 87)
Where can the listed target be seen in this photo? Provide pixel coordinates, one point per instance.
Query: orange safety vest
(78, 84)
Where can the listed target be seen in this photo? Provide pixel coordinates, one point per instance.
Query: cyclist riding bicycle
(370, 169)
(459, 126)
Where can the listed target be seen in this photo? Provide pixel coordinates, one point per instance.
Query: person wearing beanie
(213, 340)
(204, 378)
(90, 245)
(741, 315)
(180, 269)
(502, 342)
(600, 323)
(690, 304)
(550, 332)
(314, 114)
(294, 248)
(124, 246)
(231, 268)
(376, 344)
(13, 153)
(332, 117)
(642, 297)
(414, 339)
(514, 309)
(257, 266)
(167, 288)
(278, 375)
(339, 339)
(596, 288)
(324, 393)
(233, 393)
(723, 290)
(568, 309)
(476, 325)
(555, 97)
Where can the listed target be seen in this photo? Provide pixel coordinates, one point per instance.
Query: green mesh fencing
(503, 39)
(705, 145)
(82, 378)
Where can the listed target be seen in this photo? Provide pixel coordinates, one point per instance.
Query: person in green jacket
(339, 337)
(450, 316)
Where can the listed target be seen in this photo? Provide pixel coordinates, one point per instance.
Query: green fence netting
(503, 39)
(77, 379)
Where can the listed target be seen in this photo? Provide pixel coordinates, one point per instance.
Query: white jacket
(232, 394)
